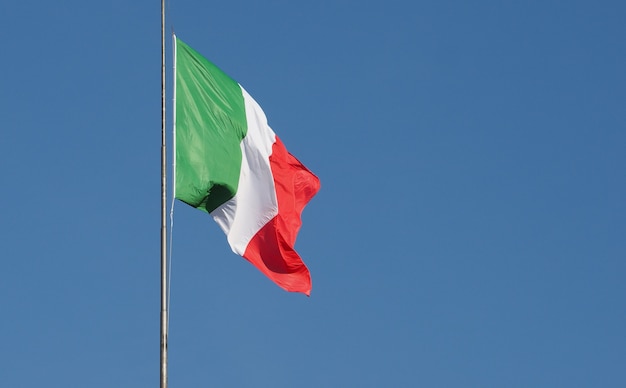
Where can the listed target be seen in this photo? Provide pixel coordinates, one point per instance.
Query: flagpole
(163, 212)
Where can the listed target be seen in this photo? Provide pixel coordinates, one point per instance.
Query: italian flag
(229, 163)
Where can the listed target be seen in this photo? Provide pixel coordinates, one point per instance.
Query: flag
(231, 164)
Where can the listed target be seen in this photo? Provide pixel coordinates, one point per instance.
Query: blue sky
(470, 230)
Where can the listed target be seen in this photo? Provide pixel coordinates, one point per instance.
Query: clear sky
(470, 230)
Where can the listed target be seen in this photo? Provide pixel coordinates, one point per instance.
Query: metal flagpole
(163, 212)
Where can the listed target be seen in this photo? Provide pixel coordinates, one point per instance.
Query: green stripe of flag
(210, 124)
